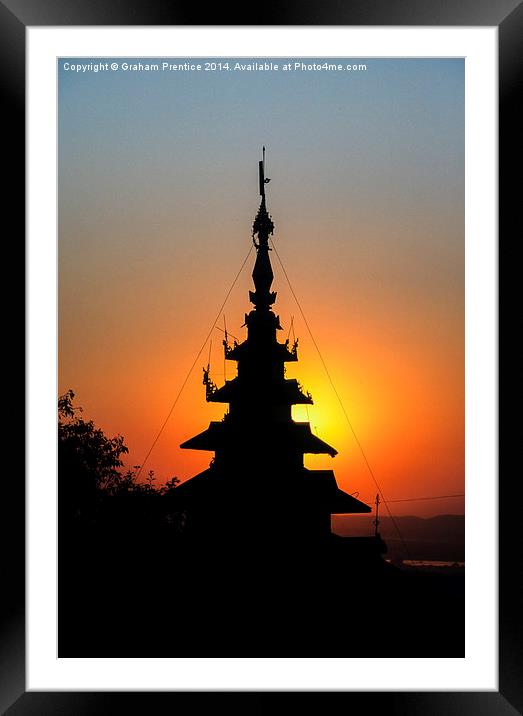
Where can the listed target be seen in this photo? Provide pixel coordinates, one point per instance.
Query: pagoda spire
(262, 228)
(257, 481)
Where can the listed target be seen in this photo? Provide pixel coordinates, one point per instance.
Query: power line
(194, 363)
(420, 499)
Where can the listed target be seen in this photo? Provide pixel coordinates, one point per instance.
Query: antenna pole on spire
(261, 169)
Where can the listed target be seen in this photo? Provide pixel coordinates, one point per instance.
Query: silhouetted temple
(240, 560)
(257, 484)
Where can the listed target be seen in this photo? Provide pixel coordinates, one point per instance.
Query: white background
(478, 670)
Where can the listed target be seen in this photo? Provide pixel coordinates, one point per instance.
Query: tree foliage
(90, 464)
(85, 453)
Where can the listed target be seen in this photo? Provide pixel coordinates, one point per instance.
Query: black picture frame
(15, 17)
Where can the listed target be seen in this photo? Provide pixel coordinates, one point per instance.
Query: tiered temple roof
(258, 447)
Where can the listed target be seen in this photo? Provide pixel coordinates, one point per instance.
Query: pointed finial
(261, 173)
(263, 225)
(263, 179)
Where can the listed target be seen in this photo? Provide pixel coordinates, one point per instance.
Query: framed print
(347, 201)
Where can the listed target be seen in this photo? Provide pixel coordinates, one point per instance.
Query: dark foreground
(169, 599)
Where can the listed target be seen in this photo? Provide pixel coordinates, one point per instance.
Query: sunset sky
(157, 195)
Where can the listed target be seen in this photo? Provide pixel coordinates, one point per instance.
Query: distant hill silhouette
(439, 538)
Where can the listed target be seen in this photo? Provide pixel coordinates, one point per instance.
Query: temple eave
(345, 504)
(318, 485)
(297, 436)
(280, 352)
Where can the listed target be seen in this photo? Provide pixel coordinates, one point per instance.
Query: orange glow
(390, 329)
(158, 189)
(404, 398)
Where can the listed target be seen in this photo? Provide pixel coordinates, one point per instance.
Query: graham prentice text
(214, 66)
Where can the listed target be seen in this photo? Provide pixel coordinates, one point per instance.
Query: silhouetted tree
(91, 484)
(88, 460)
(169, 486)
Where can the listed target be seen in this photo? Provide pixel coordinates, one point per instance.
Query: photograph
(262, 268)
(261, 356)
